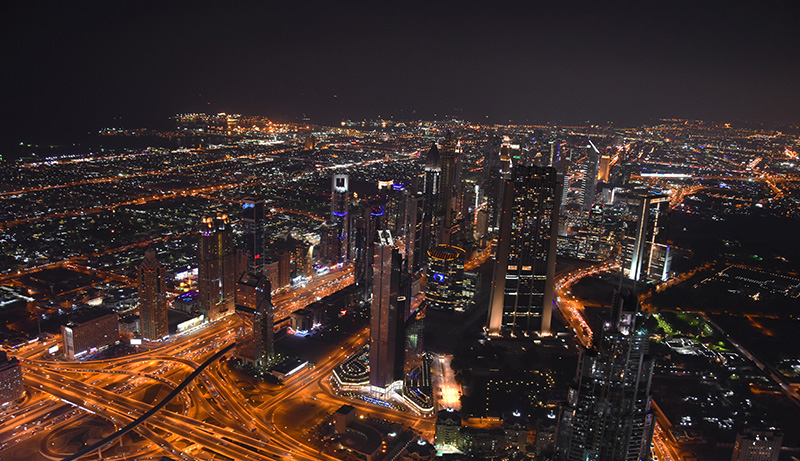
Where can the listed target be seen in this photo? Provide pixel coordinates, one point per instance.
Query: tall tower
(588, 190)
(253, 233)
(431, 191)
(645, 256)
(447, 193)
(254, 337)
(604, 167)
(415, 242)
(340, 186)
(152, 298)
(522, 285)
(216, 271)
(607, 415)
(370, 221)
(386, 342)
(433, 174)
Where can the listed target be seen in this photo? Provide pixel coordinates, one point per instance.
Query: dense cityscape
(381, 290)
(400, 231)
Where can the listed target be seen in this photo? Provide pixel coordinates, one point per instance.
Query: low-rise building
(89, 331)
(10, 379)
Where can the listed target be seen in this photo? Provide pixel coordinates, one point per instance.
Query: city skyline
(353, 313)
(567, 63)
(400, 232)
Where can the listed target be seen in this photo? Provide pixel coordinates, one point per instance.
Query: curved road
(153, 410)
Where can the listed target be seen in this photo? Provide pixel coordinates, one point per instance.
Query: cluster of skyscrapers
(228, 281)
(404, 244)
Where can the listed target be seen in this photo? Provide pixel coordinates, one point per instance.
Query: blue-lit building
(340, 220)
(445, 278)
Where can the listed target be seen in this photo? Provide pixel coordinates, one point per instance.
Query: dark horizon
(75, 70)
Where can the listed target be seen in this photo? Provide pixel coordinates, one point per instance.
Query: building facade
(445, 278)
(757, 446)
(216, 271)
(646, 257)
(89, 332)
(523, 280)
(255, 335)
(386, 343)
(253, 210)
(152, 298)
(11, 387)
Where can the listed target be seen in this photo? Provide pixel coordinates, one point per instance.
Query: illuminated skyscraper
(433, 175)
(604, 168)
(254, 337)
(589, 187)
(366, 225)
(386, 353)
(10, 379)
(415, 222)
(152, 298)
(645, 254)
(340, 204)
(447, 194)
(431, 190)
(253, 233)
(216, 271)
(445, 277)
(607, 415)
(522, 285)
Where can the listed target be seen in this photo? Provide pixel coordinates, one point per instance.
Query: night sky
(71, 67)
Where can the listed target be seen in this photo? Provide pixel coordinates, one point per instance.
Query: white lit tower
(645, 253)
(589, 187)
(340, 202)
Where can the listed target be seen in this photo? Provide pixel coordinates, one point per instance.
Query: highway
(300, 296)
(211, 415)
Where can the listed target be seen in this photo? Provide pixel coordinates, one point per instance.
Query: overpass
(132, 425)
